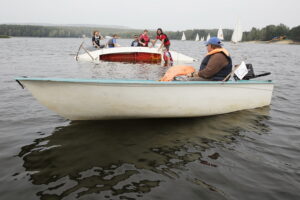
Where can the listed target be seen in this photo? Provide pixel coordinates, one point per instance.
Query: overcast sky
(151, 14)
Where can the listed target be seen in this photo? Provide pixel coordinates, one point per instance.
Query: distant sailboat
(183, 36)
(197, 37)
(202, 39)
(220, 34)
(237, 34)
(208, 37)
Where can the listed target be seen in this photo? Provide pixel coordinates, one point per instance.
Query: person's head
(159, 31)
(145, 32)
(213, 43)
(115, 36)
(136, 37)
(96, 33)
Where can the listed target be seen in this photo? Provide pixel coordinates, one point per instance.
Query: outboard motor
(250, 74)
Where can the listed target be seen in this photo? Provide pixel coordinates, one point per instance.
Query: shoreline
(274, 42)
(286, 41)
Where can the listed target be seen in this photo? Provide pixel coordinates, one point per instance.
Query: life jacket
(225, 70)
(166, 41)
(96, 39)
(144, 39)
(178, 70)
(111, 42)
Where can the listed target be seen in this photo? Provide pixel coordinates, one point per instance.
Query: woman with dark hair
(165, 42)
(96, 39)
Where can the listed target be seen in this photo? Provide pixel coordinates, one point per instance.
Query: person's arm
(162, 44)
(115, 43)
(153, 42)
(214, 65)
(140, 41)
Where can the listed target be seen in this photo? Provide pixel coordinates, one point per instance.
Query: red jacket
(165, 38)
(144, 39)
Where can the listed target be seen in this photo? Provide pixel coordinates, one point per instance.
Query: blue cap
(214, 41)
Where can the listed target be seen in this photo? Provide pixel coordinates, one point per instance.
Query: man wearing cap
(216, 65)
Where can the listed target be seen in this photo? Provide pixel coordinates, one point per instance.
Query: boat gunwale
(148, 82)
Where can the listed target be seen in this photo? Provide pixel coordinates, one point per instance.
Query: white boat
(202, 39)
(220, 34)
(131, 54)
(197, 37)
(237, 34)
(183, 36)
(92, 99)
(208, 37)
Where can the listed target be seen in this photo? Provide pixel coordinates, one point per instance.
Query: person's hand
(190, 74)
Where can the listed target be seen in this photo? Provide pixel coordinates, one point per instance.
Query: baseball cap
(214, 41)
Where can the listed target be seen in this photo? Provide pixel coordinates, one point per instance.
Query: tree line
(272, 32)
(267, 33)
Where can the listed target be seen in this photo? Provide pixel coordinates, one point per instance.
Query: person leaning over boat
(163, 38)
(96, 39)
(135, 42)
(113, 41)
(216, 65)
(144, 39)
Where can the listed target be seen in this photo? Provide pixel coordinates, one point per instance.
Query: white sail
(208, 37)
(202, 39)
(237, 34)
(220, 34)
(183, 36)
(197, 37)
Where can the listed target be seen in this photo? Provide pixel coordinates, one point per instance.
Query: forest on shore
(255, 34)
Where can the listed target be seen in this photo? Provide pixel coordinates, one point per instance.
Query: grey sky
(169, 15)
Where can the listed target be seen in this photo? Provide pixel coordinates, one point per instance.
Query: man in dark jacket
(216, 65)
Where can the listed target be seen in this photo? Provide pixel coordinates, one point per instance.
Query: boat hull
(135, 57)
(132, 54)
(106, 99)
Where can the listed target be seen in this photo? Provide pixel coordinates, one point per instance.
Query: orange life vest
(178, 70)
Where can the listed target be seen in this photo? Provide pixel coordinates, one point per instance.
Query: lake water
(251, 154)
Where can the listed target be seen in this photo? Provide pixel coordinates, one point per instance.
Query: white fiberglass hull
(88, 99)
(97, 54)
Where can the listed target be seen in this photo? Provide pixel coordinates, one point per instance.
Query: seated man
(216, 65)
(135, 42)
(113, 41)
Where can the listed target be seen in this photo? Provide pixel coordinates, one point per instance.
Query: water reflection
(128, 158)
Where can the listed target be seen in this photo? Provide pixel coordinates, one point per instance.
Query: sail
(197, 37)
(237, 34)
(220, 34)
(183, 36)
(202, 39)
(208, 37)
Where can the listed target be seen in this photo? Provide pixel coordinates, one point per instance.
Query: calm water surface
(251, 154)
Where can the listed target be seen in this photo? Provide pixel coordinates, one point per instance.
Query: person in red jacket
(144, 39)
(165, 42)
